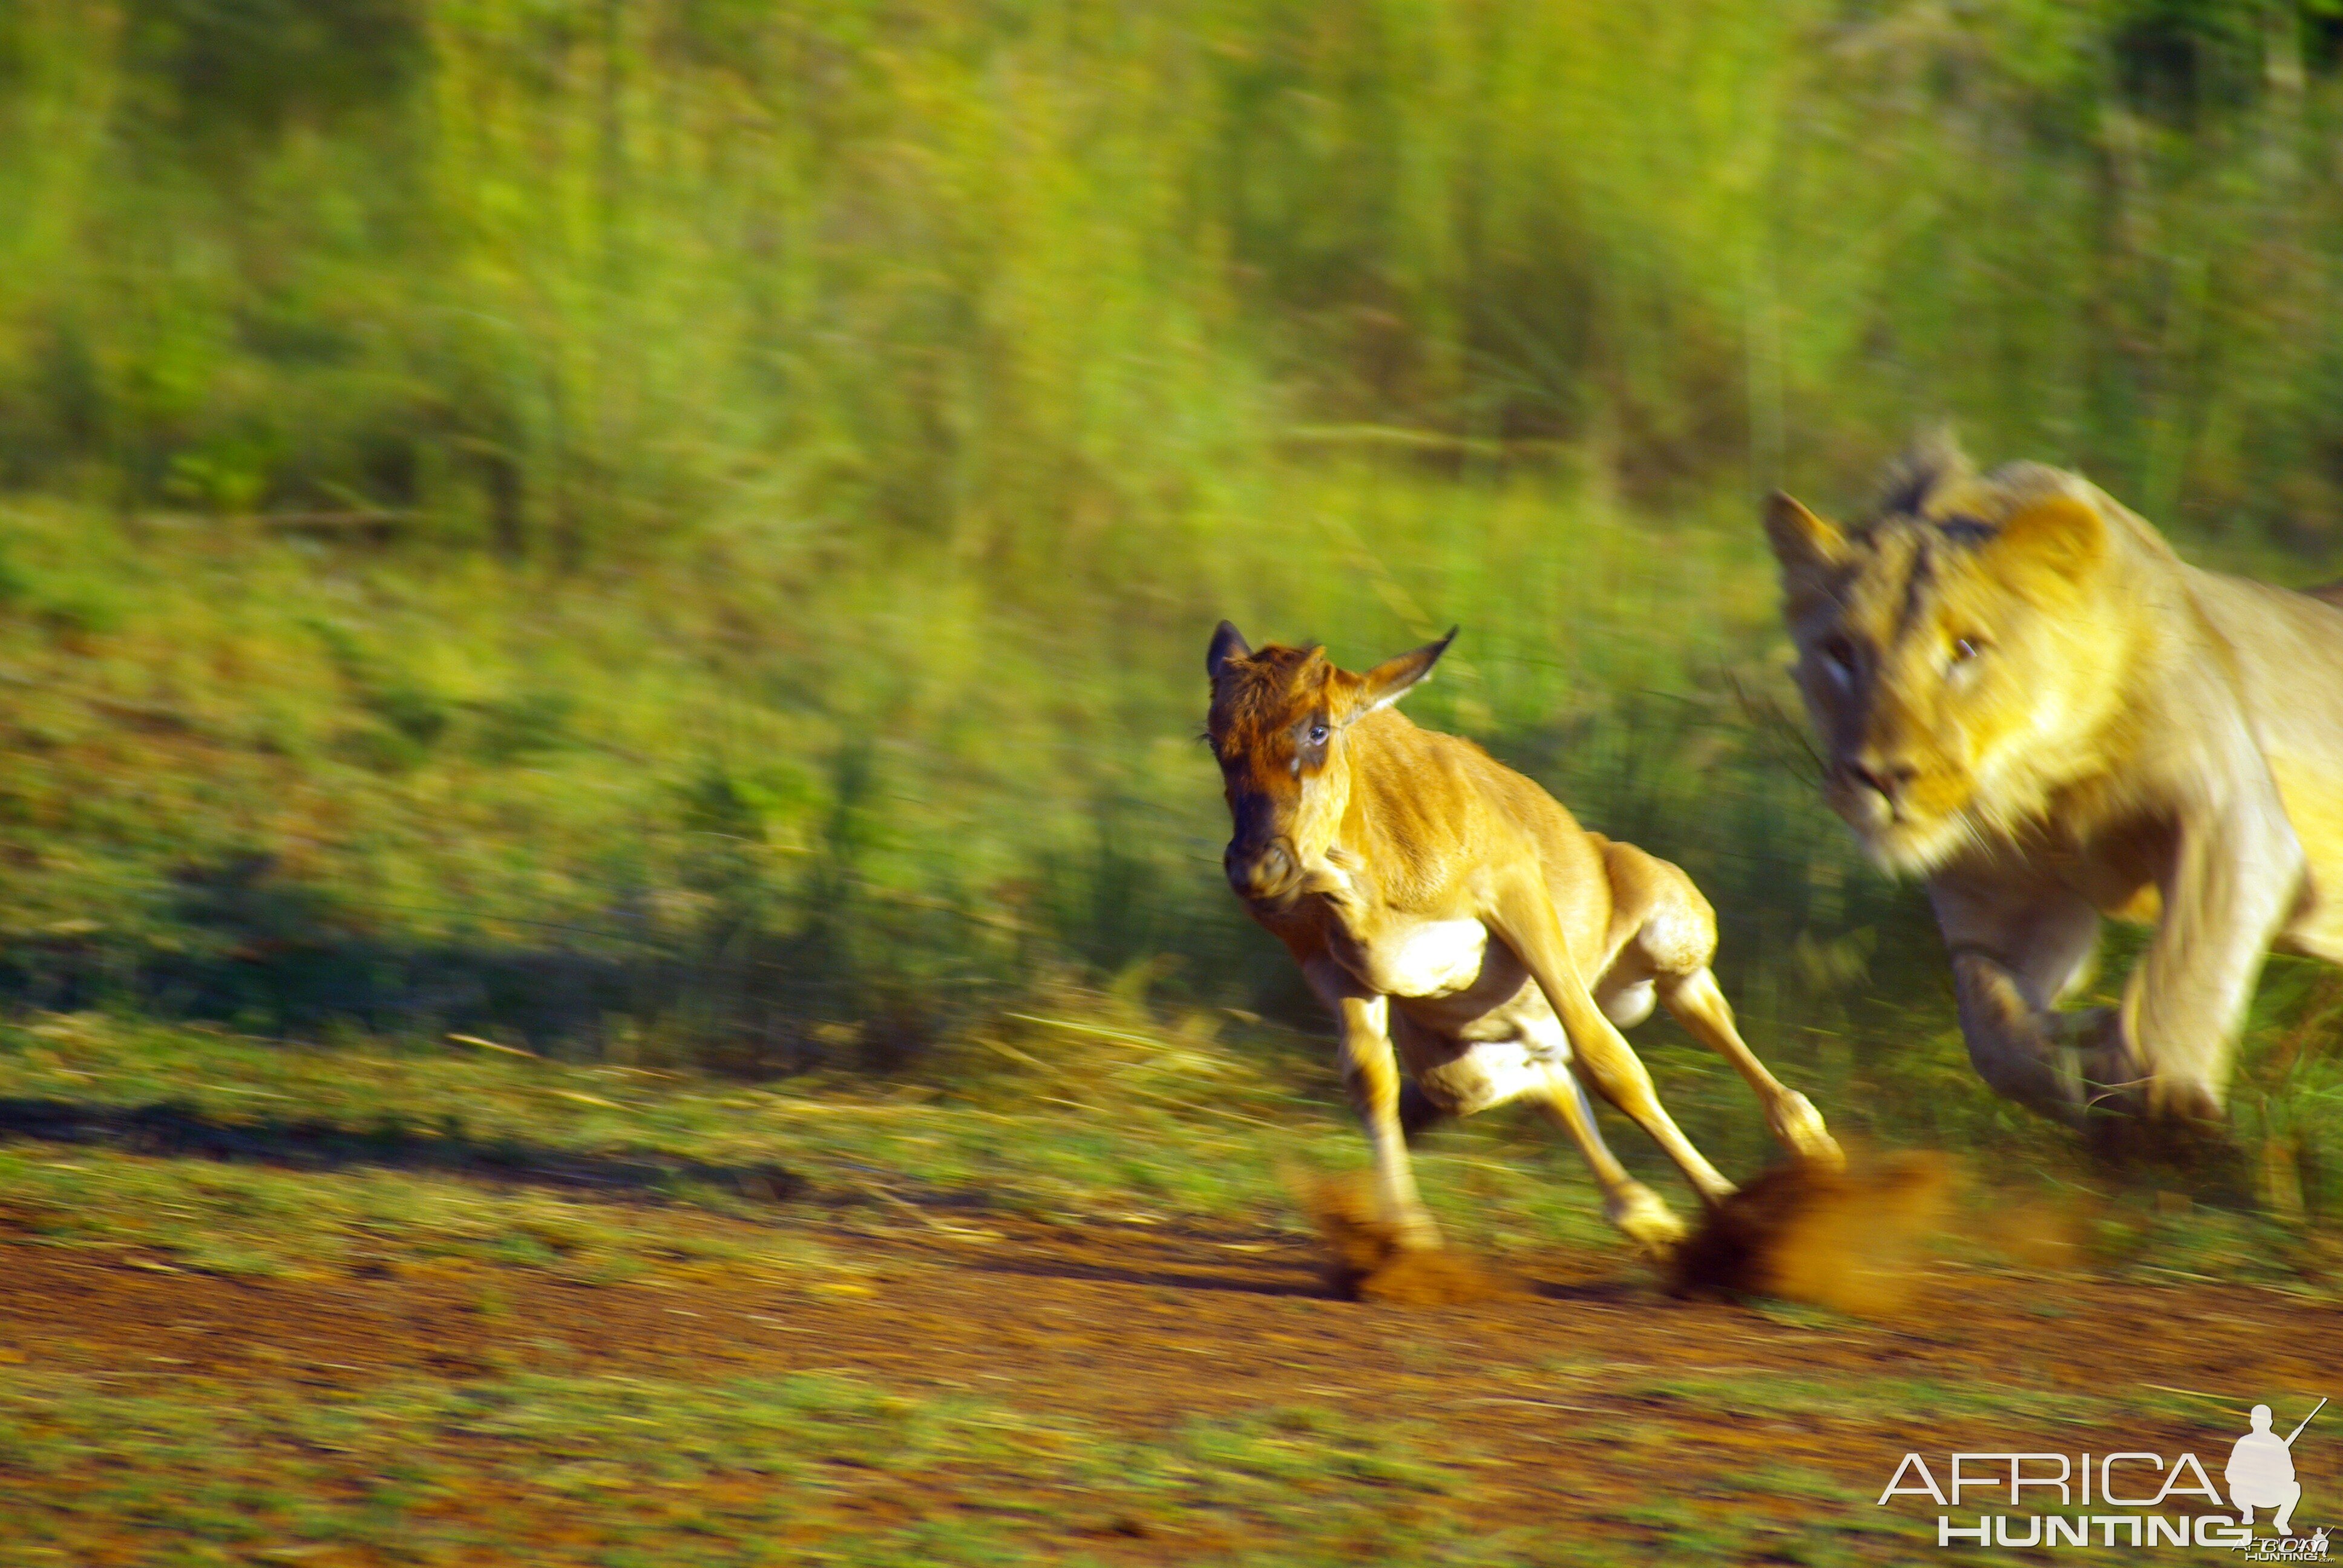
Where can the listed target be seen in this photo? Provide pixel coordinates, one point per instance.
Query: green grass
(798, 1469)
(1169, 1130)
(527, 1453)
(355, 1158)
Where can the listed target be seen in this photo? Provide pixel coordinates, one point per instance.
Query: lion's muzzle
(1906, 815)
(1872, 796)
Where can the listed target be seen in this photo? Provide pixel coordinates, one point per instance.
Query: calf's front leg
(1371, 1076)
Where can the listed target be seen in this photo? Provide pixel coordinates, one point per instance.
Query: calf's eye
(1317, 735)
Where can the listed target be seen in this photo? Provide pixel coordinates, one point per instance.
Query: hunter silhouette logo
(2128, 1497)
(2261, 1470)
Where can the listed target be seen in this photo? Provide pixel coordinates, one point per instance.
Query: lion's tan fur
(2053, 717)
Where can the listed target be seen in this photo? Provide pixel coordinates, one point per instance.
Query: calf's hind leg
(1627, 1203)
(1674, 936)
(1522, 917)
(1702, 1008)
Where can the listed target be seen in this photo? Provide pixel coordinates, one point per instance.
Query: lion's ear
(2060, 534)
(1802, 541)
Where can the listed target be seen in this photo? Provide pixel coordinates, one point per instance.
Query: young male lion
(2024, 695)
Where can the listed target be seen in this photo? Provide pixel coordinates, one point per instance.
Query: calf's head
(1278, 728)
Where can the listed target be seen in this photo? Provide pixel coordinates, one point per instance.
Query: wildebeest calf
(1443, 904)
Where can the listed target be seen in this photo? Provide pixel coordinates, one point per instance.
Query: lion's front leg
(2015, 951)
(2235, 874)
(2064, 1065)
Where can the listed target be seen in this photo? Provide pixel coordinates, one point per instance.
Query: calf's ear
(1389, 681)
(1228, 643)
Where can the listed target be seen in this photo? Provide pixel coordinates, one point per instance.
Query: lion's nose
(1891, 779)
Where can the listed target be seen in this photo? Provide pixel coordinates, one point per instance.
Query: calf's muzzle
(1264, 872)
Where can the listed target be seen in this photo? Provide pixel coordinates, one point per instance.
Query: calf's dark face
(1276, 728)
(1268, 778)
(1271, 729)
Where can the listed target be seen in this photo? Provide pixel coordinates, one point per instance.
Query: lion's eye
(1966, 648)
(1317, 735)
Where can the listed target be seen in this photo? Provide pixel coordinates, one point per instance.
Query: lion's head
(1958, 650)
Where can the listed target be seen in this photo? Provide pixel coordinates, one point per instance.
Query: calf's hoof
(1371, 1259)
(1415, 1233)
(1799, 1127)
(1646, 1221)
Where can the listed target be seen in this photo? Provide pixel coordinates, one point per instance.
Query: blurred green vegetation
(1040, 285)
(684, 531)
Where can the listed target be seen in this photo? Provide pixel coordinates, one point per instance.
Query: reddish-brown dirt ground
(1575, 1394)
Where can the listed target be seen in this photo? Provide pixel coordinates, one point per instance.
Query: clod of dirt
(1366, 1260)
(2036, 1232)
(1849, 1240)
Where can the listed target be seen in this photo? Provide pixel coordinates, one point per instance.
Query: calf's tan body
(1458, 922)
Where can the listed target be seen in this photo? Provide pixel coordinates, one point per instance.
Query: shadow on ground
(313, 1143)
(1287, 1282)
